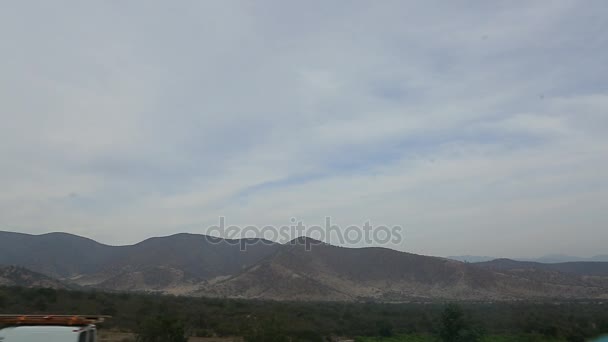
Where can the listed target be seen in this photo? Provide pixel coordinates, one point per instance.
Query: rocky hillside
(19, 276)
(333, 273)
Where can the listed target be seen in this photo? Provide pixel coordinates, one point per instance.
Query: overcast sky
(480, 127)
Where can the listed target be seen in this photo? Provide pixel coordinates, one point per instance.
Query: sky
(479, 127)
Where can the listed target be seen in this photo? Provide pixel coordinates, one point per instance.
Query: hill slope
(333, 273)
(148, 265)
(19, 276)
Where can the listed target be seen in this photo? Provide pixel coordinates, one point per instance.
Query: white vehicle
(53, 328)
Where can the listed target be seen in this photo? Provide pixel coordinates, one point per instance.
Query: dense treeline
(306, 321)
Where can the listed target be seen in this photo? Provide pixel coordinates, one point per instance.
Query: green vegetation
(400, 338)
(310, 321)
(160, 329)
(488, 338)
(454, 327)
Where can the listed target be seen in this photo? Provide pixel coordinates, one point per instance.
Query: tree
(3, 300)
(41, 305)
(266, 331)
(385, 328)
(454, 326)
(161, 329)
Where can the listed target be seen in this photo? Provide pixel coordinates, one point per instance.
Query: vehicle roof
(47, 333)
(60, 320)
(50, 328)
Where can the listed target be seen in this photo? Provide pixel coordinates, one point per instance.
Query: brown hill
(185, 258)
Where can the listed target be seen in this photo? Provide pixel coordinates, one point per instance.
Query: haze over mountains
(198, 265)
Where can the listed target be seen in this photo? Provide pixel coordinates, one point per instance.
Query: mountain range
(547, 259)
(303, 269)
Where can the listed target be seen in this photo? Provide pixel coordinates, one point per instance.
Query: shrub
(161, 329)
(455, 327)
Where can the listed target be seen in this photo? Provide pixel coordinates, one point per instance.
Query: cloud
(475, 127)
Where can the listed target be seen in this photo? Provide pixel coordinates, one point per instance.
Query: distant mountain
(554, 258)
(55, 254)
(470, 258)
(548, 259)
(199, 265)
(599, 258)
(184, 258)
(19, 276)
(559, 258)
(579, 268)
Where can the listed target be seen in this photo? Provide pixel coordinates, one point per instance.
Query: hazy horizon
(479, 129)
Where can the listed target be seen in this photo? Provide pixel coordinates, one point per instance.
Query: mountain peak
(305, 240)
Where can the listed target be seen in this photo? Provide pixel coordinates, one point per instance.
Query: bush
(455, 328)
(3, 300)
(385, 328)
(161, 329)
(266, 331)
